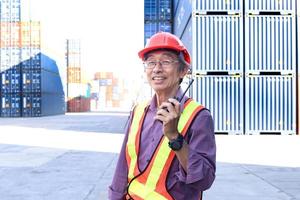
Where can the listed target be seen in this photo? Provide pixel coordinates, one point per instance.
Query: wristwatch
(176, 144)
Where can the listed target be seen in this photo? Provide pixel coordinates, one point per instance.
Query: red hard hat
(164, 40)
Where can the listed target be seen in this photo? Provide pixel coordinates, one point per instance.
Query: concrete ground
(73, 156)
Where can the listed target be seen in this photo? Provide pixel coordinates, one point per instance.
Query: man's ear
(184, 72)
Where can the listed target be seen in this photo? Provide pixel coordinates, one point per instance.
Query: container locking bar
(218, 73)
(265, 73)
(207, 13)
(270, 133)
(217, 13)
(269, 13)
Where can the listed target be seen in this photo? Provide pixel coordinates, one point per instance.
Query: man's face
(162, 70)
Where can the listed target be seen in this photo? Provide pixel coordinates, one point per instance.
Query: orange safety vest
(151, 183)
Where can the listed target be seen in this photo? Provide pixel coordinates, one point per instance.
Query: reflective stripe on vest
(134, 135)
(151, 184)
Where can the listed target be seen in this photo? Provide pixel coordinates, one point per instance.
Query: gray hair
(182, 65)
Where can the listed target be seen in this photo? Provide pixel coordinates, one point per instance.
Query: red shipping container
(79, 104)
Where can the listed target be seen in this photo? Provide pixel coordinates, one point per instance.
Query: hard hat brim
(144, 51)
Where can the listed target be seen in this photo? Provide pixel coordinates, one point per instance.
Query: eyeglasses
(150, 64)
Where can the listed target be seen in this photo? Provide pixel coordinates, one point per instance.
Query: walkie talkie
(180, 98)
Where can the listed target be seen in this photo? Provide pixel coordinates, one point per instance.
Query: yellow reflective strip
(158, 164)
(138, 113)
(164, 151)
(144, 192)
(185, 115)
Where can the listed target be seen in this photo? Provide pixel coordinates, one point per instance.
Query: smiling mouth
(158, 78)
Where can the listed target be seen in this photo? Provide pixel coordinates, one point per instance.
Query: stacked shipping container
(42, 89)
(244, 63)
(270, 67)
(158, 17)
(73, 56)
(108, 91)
(78, 99)
(10, 58)
(25, 72)
(212, 31)
(10, 11)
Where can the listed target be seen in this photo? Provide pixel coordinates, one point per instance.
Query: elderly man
(169, 149)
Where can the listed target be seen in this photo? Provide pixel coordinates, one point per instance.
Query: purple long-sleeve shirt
(201, 160)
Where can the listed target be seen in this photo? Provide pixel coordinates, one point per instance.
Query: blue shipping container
(40, 61)
(11, 80)
(187, 37)
(164, 10)
(31, 81)
(157, 10)
(32, 88)
(10, 105)
(150, 28)
(51, 83)
(31, 105)
(40, 74)
(31, 58)
(181, 17)
(41, 81)
(175, 6)
(42, 104)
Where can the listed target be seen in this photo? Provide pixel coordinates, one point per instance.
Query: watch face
(176, 145)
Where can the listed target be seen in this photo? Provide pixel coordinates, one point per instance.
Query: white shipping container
(15, 34)
(218, 43)
(270, 44)
(102, 97)
(15, 56)
(271, 105)
(95, 86)
(223, 96)
(181, 17)
(10, 11)
(5, 59)
(74, 60)
(10, 56)
(218, 5)
(270, 5)
(77, 89)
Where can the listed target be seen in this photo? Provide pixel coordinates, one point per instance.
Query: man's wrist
(173, 136)
(177, 143)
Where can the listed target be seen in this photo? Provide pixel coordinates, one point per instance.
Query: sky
(111, 32)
